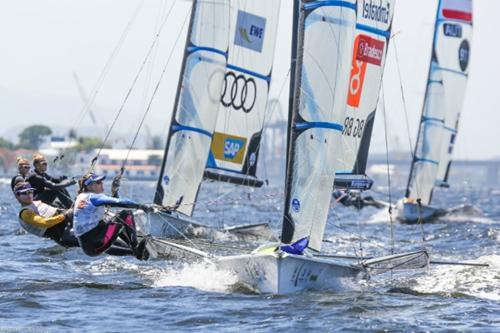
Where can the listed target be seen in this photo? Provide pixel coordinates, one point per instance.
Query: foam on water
(480, 282)
(203, 276)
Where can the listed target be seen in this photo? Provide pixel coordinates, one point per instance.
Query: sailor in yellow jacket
(43, 220)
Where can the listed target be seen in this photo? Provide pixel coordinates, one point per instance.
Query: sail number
(353, 127)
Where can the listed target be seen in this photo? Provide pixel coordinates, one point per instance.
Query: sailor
(48, 188)
(96, 233)
(355, 199)
(23, 169)
(43, 220)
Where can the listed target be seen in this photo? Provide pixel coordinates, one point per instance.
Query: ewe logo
(232, 147)
(250, 31)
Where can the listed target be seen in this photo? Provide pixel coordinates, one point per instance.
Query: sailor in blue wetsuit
(96, 234)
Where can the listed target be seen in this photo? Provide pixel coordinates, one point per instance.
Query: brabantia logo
(370, 50)
(375, 11)
(367, 50)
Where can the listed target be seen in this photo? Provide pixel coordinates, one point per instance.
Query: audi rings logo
(239, 92)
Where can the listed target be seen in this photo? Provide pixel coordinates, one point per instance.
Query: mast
(288, 226)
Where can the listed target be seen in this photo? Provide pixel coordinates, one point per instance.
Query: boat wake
(457, 281)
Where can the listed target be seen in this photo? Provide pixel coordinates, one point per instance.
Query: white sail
(196, 105)
(444, 98)
(241, 116)
(373, 29)
(322, 52)
(455, 35)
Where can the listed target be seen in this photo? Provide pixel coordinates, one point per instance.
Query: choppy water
(44, 288)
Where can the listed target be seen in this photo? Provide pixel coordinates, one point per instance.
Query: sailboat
(219, 110)
(321, 56)
(444, 96)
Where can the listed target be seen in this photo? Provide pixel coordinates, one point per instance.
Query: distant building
(142, 164)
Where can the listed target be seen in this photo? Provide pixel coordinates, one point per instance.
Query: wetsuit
(115, 236)
(46, 221)
(17, 179)
(48, 188)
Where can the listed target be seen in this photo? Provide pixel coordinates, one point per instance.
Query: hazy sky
(44, 42)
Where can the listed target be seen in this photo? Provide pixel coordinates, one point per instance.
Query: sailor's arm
(32, 218)
(103, 199)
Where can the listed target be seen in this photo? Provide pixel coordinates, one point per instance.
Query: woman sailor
(97, 234)
(43, 220)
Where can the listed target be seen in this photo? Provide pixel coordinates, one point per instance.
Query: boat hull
(409, 212)
(283, 273)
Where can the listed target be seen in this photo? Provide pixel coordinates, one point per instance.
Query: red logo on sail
(370, 50)
(457, 10)
(367, 50)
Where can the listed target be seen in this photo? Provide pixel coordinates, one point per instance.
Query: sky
(49, 47)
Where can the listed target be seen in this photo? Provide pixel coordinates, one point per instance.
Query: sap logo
(376, 12)
(166, 179)
(232, 147)
(452, 30)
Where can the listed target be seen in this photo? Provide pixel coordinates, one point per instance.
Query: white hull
(409, 212)
(175, 225)
(283, 273)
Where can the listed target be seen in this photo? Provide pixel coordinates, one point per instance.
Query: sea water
(45, 288)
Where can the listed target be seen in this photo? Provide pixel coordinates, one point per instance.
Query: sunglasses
(24, 167)
(43, 163)
(25, 193)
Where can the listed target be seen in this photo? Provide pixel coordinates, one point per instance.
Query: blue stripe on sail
(192, 49)
(379, 32)
(424, 118)
(450, 70)
(329, 3)
(450, 129)
(177, 128)
(319, 124)
(211, 161)
(435, 81)
(426, 160)
(249, 72)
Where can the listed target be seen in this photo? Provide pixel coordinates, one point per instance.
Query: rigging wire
(155, 91)
(388, 169)
(143, 64)
(102, 76)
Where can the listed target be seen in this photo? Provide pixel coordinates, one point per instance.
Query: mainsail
(444, 97)
(242, 110)
(196, 105)
(321, 57)
(373, 30)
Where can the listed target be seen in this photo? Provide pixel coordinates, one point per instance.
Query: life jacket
(41, 209)
(86, 216)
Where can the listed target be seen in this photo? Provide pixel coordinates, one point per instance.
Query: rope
(122, 169)
(143, 64)
(101, 78)
(388, 170)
